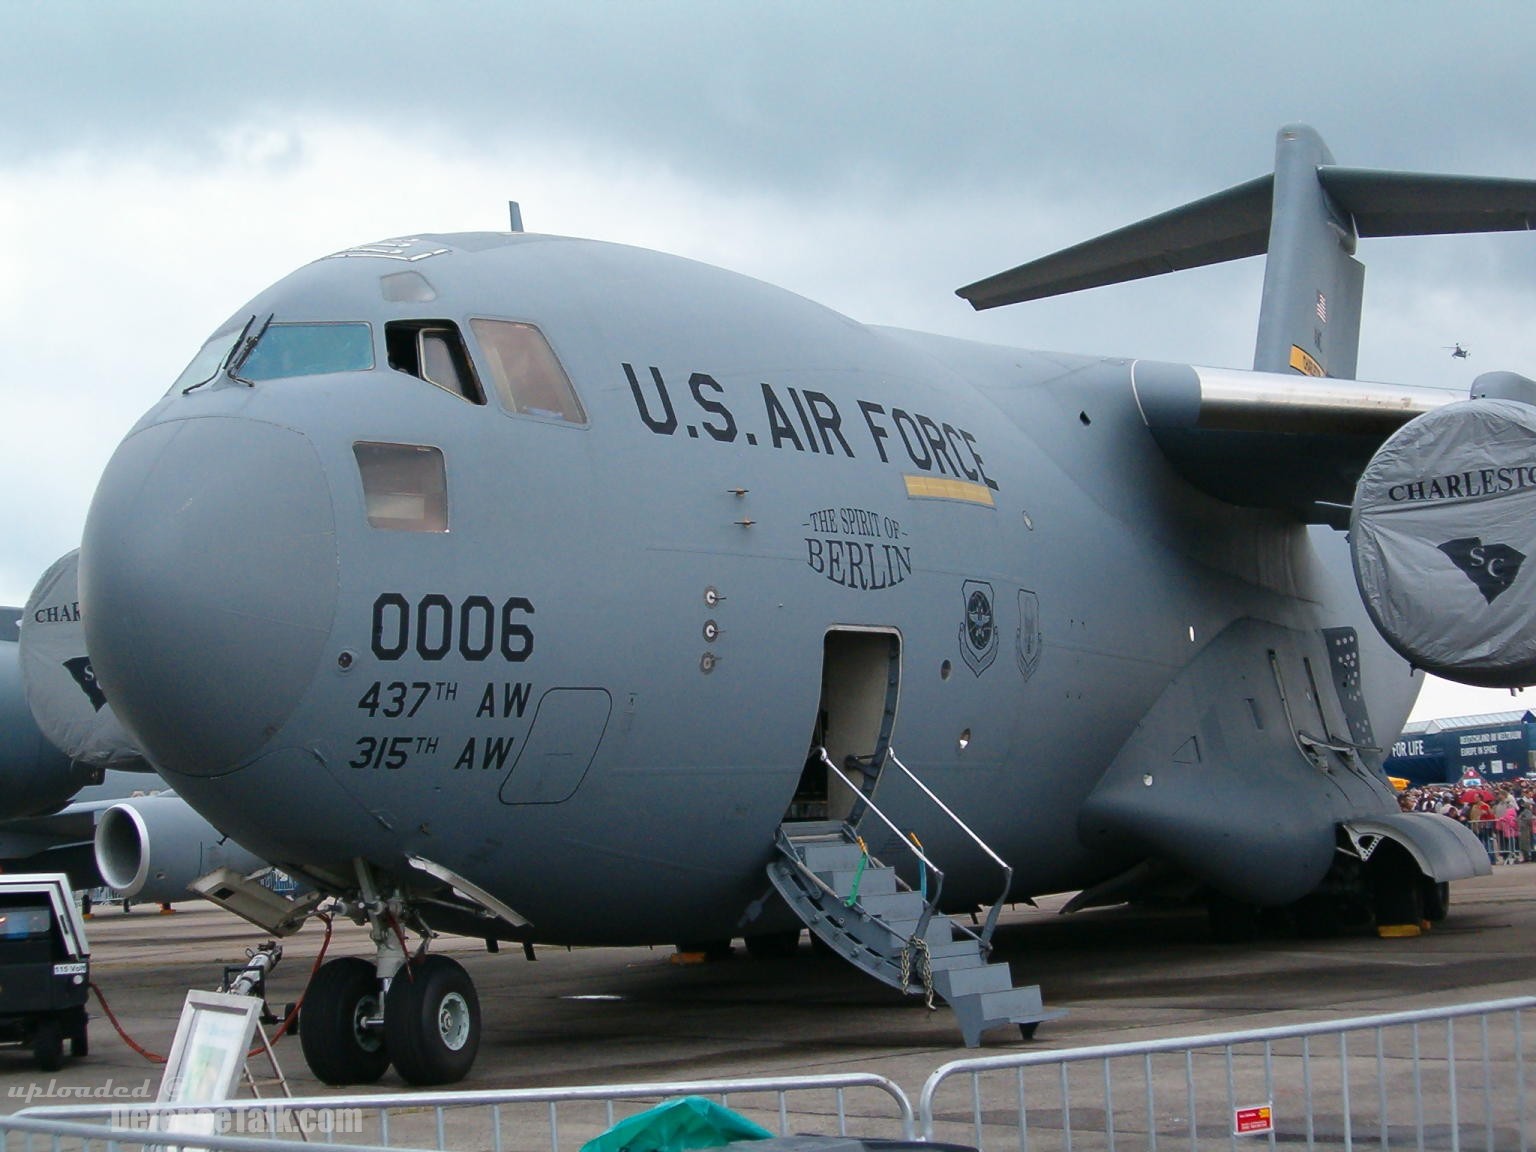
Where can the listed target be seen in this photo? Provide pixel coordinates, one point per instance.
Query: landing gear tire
(338, 1047)
(48, 1045)
(1400, 901)
(432, 1021)
(1436, 899)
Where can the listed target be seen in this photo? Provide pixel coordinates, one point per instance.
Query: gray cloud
(802, 97)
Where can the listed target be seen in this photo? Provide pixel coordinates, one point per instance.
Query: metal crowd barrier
(514, 1120)
(1403, 1080)
(1503, 847)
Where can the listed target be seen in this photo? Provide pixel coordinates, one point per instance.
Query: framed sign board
(208, 1055)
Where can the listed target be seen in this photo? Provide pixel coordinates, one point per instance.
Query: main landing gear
(419, 1012)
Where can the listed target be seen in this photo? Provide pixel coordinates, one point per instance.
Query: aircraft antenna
(517, 215)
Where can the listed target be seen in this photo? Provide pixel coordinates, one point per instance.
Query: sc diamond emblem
(1492, 567)
(978, 634)
(80, 669)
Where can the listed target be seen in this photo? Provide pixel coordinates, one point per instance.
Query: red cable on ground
(156, 1058)
(293, 1013)
(152, 1057)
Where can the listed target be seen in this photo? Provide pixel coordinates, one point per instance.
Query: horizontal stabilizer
(1227, 226)
(1235, 224)
(1429, 204)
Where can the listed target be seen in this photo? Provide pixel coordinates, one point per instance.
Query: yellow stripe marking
(1304, 363)
(939, 488)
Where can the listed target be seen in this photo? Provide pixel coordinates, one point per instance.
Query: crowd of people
(1502, 815)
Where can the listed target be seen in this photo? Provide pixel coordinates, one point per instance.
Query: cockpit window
(209, 359)
(309, 350)
(522, 366)
(404, 486)
(433, 350)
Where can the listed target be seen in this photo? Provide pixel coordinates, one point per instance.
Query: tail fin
(1309, 317)
(1307, 216)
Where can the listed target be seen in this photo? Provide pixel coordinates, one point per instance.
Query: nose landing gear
(420, 1013)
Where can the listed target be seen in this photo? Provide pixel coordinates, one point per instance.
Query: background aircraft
(79, 798)
(543, 589)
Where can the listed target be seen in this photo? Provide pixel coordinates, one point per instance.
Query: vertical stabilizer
(1309, 319)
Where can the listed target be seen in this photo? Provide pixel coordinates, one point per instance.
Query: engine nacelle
(61, 689)
(151, 847)
(35, 777)
(1442, 534)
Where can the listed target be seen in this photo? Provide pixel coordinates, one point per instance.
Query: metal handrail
(997, 907)
(932, 901)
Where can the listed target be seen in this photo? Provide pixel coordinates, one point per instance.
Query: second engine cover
(1443, 536)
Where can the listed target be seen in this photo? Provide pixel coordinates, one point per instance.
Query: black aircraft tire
(336, 1047)
(432, 1022)
(1437, 900)
(48, 1045)
(1399, 901)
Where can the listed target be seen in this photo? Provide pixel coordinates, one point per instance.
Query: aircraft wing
(1265, 440)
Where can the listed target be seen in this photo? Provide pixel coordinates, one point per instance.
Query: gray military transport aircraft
(542, 589)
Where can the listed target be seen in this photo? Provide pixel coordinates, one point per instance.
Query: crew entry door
(860, 675)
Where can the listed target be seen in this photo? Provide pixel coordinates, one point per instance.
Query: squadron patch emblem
(978, 633)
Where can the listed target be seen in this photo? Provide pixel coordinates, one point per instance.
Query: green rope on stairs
(858, 874)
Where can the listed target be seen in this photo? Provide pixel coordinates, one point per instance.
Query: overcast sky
(160, 163)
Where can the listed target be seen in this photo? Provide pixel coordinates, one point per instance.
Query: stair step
(798, 830)
(940, 933)
(893, 906)
(962, 953)
(1007, 1004)
(830, 856)
(874, 881)
(952, 983)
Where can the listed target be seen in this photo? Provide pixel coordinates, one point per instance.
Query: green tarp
(686, 1122)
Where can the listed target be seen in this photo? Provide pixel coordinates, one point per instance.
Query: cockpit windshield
(309, 350)
(284, 350)
(209, 359)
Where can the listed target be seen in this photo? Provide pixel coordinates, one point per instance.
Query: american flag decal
(1322, 308)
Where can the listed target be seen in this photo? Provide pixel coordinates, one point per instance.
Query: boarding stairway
(862, 910)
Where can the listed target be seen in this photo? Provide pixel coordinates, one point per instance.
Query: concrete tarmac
(615, 1015)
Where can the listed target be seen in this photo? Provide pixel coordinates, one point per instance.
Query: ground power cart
(45, 964)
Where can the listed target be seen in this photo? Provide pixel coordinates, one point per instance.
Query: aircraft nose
(208, 575)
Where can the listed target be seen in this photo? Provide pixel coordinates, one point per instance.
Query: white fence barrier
(1452, 1078)
(514, 1120)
